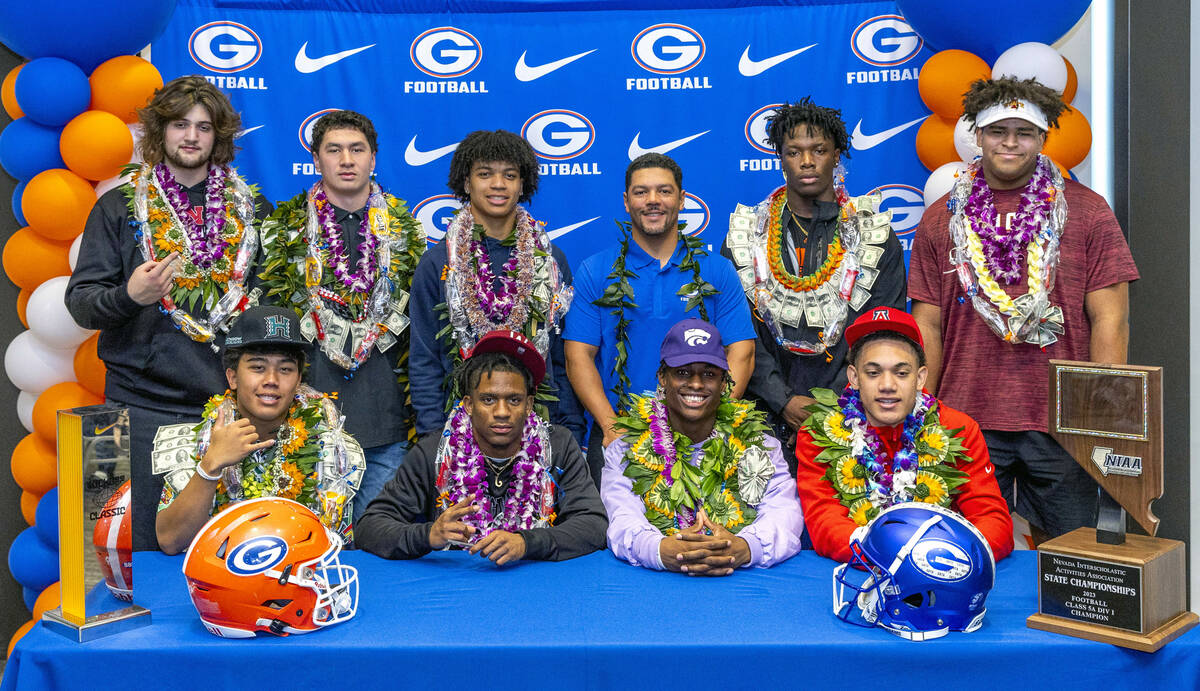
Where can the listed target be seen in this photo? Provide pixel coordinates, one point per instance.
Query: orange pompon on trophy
(1100, 583)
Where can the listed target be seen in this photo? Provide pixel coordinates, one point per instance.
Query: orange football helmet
(113, 540)
(269, 565)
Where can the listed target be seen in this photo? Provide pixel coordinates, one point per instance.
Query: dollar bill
(396, 321)
(166, 461)
(875, 236)
(746, 275)
(742, 256)
(737, 237)
(867, 276)
(336, 330)
(401, 301)
(859, 298)
(873, 221)
(869, 255)
(386, 340)
(308, 329)
(173, 432)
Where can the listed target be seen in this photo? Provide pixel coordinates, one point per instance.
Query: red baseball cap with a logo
(516, 345)
(884, 319)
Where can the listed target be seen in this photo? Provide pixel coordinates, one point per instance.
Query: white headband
(1017, 108)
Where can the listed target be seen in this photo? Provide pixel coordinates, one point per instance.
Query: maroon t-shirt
(1003, 386)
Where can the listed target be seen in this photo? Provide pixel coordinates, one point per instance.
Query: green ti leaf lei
(712, 484)
(618, 296)
(938, 449)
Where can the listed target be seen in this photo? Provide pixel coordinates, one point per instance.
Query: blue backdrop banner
(591, 85)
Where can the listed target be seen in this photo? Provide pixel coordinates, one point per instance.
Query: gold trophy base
(1159, 602)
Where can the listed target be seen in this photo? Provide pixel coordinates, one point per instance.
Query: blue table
(451, 620)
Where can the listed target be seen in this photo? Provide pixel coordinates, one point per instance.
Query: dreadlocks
(818, 119)
(985, 93)
(500, 145)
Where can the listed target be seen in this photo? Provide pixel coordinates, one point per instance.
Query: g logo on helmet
(668, 48)
(446, 52)
(256, 555)
(559, 134)
(695, 337)
(885, 41)
(225, 46)
(942, 560)
(756, 127)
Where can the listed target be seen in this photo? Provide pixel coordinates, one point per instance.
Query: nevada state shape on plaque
(1099, 583)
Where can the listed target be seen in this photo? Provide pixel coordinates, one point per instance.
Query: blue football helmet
(926, 571)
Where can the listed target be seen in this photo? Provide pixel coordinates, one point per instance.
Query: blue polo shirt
(658, 309)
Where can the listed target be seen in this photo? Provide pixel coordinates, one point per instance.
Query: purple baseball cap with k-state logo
(693, 340)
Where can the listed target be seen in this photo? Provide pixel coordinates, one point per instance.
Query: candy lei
(824, 272)
(984, 258)
(728, 481)
(214, 256)
(865, 478)
(462, 473)
(619, 295)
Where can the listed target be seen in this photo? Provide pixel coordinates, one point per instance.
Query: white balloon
(25, 401)
(48, 316)
(33, 366)
(1032, 60)
(964, 141)
(941, 181)
(73, 253)
(136, 130)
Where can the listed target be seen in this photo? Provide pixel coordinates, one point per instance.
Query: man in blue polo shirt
(629, 296)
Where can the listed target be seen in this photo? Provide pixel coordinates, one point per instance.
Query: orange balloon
(68, 394)
(1070, 142)
(946, 76)
(935, 142)
(1072, 86)
(96, 145)
(22, 303)
(122, 85)
(89, 368)
(8, 93)
(35, 469)
(56, 203)
(48, 600)
(29, 502)
(12, 642)
(30, 259)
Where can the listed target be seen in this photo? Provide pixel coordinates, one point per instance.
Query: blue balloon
(51, 91)
(27, 148)
(961, 24)
(16, 203)
(86, 32)
(30, 596)
(45, 518)
(33, 563)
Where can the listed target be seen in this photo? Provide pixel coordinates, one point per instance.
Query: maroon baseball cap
(884, 319)
(516, 345)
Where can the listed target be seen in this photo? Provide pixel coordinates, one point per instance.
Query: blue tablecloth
(451, 620)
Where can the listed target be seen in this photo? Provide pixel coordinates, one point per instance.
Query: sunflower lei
(865, 479)
(673, 488)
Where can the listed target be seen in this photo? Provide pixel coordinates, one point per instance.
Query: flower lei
(214, 259)
(618, 295)
(362, 280)
(840, 284)
(865, 478)
(300, 247)
(529, 501)
(983, 257)
(529, 296)
(674, 489)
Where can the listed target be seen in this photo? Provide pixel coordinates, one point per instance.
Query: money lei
(618, 295)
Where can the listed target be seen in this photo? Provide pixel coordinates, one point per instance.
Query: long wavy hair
(173, 101)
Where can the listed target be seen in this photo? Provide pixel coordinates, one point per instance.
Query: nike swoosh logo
(635, 149)
(416, 157)
(749, 67)
(307, 65)
(101, 430)
(248, 130)
(559, 232)
(527, 73)
(862, 142)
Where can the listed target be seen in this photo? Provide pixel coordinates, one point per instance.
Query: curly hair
(653, 160)
(173, 101)
(344, 120)
(827, 121)
(501, 145)
(985, 93)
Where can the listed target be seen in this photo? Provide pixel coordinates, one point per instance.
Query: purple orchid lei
(662, 439)
(881, 473)
(498, 304)
(1002, 251)
(466, 476)
(207, 243)
(363, 280)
